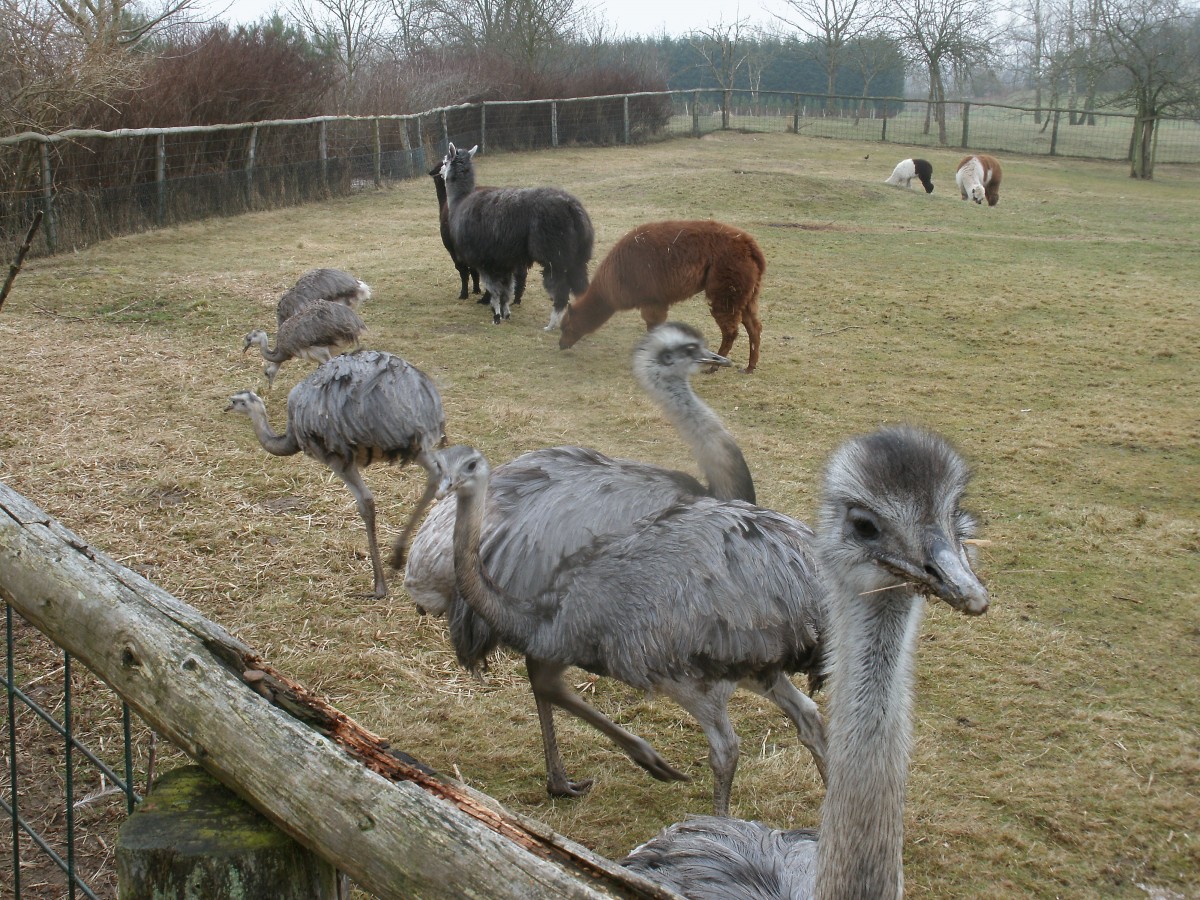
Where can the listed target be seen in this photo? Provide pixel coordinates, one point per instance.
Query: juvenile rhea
(354, 410)
(317, 331)
(891, 530)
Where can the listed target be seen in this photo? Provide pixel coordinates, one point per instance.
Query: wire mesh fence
(67, 780)
(93, 185)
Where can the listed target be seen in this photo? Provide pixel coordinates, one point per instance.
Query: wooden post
(966, 123)
(883, 132)
(193, 837)
(553, 123)
(378, 154)
(696, 114)
(251, 151)
(48, 199)
(626, 105)
(795, 114)
(323, 155)
(1054, 134)
(483, 127)
(445, 130)
(396, 828)
(407, 145)
(160, 178)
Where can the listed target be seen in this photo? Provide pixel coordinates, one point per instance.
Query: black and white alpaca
(500, 230)
(908, 169)
(468, 275)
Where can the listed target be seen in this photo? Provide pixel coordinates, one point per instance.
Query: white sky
(628, 17)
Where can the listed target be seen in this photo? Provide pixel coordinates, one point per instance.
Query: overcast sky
(628, 17)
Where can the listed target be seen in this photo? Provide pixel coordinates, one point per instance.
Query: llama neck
(462, 184)
(869, 741)
(439, 185)
(715, 450)
(472, 581)
(276, 444)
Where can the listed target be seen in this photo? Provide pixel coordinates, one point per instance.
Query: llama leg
(475, 280)
(710, 707)
(560, 292)
(803, 712)
(753, 328)
(464, 275)
(519, 278)
(653, 314)
(546, 680)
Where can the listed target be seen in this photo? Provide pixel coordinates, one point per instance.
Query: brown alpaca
(978, 177)
(661, 263)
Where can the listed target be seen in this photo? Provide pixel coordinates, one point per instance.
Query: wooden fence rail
(398, 829)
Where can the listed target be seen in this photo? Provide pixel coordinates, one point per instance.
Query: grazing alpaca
(661, 263)
(978, 177)
(465, 272)
(890, 531)
(500, 230)
(908, 169)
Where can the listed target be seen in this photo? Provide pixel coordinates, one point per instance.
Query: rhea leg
(803, 712)
(709, 705)
(433, 470)
(545, 678)
(366, 508)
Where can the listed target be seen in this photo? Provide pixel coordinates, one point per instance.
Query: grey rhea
(500, 230)
(322, 284)
(354, 410)
(891, 530)
(316, 332)
(547, 505)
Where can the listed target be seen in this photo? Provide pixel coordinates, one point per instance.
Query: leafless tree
(529, 31)
(1156, 43)
(352, 29)
(946, 38)
(830, 26)
(725, 50)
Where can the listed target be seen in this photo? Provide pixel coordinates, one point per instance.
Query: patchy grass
(1053, 338)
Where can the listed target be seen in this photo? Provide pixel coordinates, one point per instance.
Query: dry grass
(1054, 338)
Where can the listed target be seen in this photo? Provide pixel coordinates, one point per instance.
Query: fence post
(251, 152)
(407, 145)
(378, 153)
(795, 113)
(966, 122)
(160, 178)
(726, 99)
(553, 123)
(445, 130)
(420, 154)
(483, 128)
(193, 837)
(48, 199)
(696, 114)
(883, 131)
(626, 118)
(323, 153)
(1054, 135)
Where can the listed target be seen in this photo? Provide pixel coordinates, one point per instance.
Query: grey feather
(354, 410)
(322, 284)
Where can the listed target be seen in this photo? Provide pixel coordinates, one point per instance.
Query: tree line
(125, 63)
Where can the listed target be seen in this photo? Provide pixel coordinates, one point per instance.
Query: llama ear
(473, 151)
(451, 150)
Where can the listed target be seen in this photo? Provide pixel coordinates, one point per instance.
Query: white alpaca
(908, 169)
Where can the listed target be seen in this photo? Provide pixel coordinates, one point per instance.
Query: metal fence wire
(92, 185)
(60, 787)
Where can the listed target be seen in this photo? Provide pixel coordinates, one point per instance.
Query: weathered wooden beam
(396, 827)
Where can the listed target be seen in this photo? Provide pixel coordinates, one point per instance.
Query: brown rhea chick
(317, 332)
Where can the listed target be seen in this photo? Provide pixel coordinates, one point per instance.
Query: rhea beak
(948, 575)
(708, 358)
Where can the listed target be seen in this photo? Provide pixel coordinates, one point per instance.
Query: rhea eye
(864, 524)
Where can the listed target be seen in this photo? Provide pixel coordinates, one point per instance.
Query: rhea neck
(715, 450)
(873, 645)
(268, 354)
(276, 444)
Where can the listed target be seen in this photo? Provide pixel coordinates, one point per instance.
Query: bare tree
(946, 38)
(830, 26)
(529, 31)
(352, 29)
(870, 55)
(724, 49)
(1157, 44)
(414, 26)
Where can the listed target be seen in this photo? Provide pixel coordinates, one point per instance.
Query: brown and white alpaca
(978, 177)
(661, 263)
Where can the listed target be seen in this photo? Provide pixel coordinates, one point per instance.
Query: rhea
(353, 410)
(891, 530)
(322, 284)
(548, 504)
(316, 332)
(691, 602)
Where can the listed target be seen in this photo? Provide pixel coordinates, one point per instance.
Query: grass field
(1055, 339)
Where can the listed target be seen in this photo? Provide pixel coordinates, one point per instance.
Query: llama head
(977, 193)
(457, 159)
